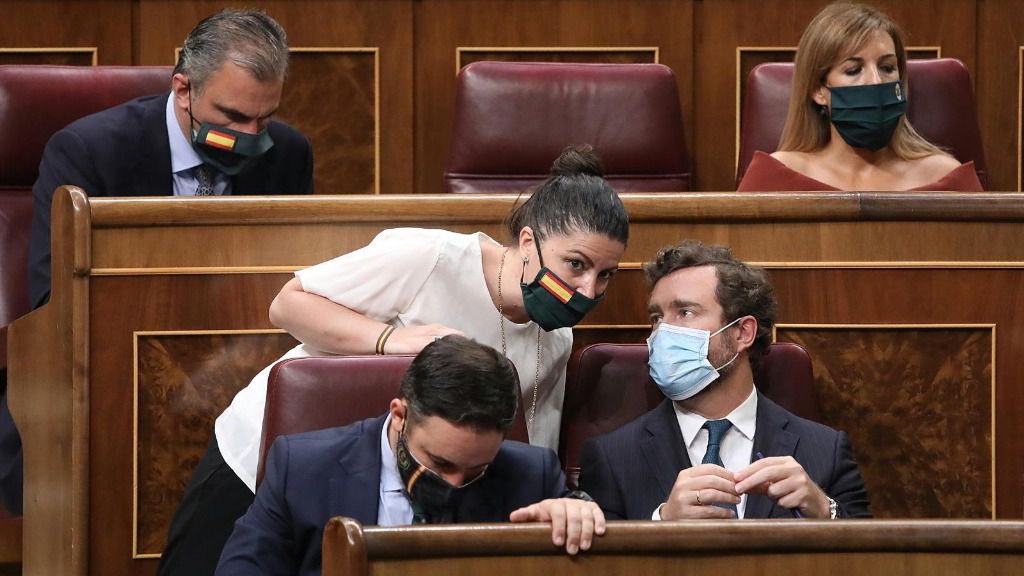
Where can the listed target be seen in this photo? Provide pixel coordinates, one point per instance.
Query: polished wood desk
(755, 547)
(912, 307)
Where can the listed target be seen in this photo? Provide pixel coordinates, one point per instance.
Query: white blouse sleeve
(381, 279)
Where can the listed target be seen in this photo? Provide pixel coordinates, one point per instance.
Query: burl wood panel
(331, 97)
(917, 405)
(184, 382)
(177, 370)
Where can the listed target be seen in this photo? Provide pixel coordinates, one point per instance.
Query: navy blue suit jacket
(631, 471)
(336, 472)
(124, 151)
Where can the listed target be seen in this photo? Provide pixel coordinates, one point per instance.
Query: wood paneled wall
(376, 92)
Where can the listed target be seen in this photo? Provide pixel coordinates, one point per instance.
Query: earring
(823, 110)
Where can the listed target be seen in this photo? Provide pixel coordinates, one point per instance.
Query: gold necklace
(504, 346)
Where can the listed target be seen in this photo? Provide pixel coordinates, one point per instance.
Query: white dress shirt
(394, 508)
(737, 444)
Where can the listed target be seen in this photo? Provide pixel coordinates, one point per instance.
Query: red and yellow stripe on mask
(556, 287)
(220, 140)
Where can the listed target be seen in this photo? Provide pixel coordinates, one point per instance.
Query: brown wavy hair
(838, 30)
(742, 290)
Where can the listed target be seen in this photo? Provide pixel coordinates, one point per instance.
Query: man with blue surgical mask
(716, 448)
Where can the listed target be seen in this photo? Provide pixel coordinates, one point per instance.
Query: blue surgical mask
(678, 360)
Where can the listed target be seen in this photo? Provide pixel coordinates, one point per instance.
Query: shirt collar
(183, 156)
(743, 418)
(390, 480)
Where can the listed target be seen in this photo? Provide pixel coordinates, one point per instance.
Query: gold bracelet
(383, 338)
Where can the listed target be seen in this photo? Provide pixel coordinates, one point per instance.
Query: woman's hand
(412, 339)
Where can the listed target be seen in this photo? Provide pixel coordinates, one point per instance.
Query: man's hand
(573, 522)
(696, 489)
(784, 480)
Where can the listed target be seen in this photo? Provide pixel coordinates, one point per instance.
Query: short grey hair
(249, 38)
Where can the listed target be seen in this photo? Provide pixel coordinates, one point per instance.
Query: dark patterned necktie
(204, 177)
(716, 431)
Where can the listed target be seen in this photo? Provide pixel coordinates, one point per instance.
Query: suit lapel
(663, 449)
(770, 439)
(355, 484)
(151, 173)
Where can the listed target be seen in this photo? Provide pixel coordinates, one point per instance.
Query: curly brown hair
(742, 290)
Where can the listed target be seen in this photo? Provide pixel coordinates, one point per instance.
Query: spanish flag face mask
(227, 150)
(550, 302)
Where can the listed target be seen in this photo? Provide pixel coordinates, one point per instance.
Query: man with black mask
(212, 135)
(438, 455)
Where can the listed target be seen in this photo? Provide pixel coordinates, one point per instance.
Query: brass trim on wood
(1020, 110)
(929, 326)
(135, 414)
(186, 270)
(671, 208)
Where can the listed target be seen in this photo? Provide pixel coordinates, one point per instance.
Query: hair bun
(577, 159)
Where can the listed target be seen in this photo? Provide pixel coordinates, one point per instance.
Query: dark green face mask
(867, 116)
(227, 150)
(550, 302)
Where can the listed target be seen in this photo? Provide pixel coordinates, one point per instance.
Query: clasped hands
(781, 478)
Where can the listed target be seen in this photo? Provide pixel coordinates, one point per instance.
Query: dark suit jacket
(124, 151)
(336, 472)
(631, 471)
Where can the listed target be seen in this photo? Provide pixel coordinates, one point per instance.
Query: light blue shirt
(394, 508)
(184, 160)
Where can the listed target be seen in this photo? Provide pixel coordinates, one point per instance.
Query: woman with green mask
(410, 286)
(846, 128)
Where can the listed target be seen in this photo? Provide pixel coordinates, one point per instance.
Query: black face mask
(550, 302)
(432, 498)
(226, 150)
(867, 116)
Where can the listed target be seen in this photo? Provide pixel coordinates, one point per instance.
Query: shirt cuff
(657, 512)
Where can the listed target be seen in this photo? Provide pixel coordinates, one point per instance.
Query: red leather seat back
(38, 100)
(941, 109)
(15, 228)
(306, 394)
(512, 119)
(35, 102)
(608, 385)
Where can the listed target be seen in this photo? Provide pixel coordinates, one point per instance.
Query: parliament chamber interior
(897, 318)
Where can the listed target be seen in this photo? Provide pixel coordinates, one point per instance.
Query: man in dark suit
(716, 448)
(214, 127)
(438, 455)
(212, 134)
